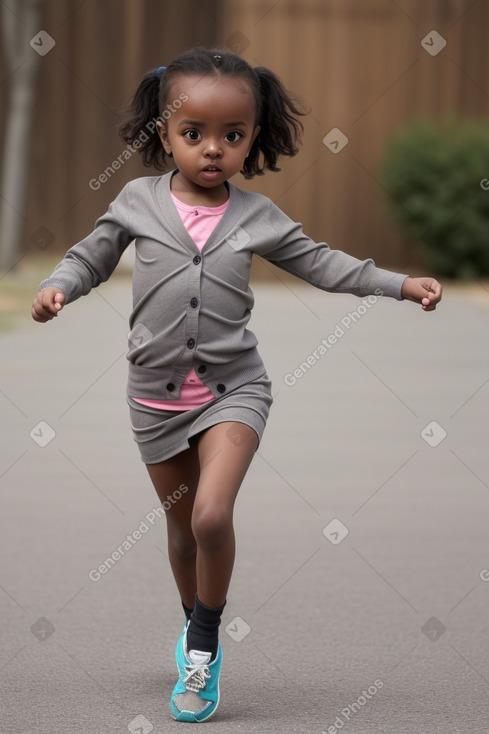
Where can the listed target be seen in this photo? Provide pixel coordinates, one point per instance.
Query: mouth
(212, 169)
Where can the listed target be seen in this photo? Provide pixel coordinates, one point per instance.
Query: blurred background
(367, 180)
(385, 436)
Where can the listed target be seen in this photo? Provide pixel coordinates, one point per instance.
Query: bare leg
(167, 476)
(225, 453)
(201, 543)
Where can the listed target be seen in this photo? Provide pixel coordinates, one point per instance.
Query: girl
(198, 392)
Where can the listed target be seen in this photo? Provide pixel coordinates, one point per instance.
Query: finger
(48, 302)
(59, 300)
(436, 289)
(430, 293)
(434, 295)
(34, 314)
(38, 314)
(428, 304)
(421, 293)
(43, 308)
(432, 286)
(43, 314)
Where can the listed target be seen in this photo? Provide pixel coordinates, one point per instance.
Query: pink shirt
(200, 222)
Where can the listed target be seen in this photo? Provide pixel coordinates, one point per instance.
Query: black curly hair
(277, 113)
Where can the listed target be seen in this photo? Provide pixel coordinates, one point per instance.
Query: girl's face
(211, 133)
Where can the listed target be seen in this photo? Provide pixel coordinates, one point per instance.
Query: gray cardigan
(192, 308)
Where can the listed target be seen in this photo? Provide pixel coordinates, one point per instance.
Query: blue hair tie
(160, 70)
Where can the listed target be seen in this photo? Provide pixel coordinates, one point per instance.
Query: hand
(426, 291)
(47, 304)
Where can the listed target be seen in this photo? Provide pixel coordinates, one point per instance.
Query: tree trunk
(22, 63)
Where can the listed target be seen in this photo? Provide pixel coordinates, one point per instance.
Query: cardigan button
(191, 343)
(201, 369)
(194, 302)
(221, 388)
(170, 387)
(196, 260)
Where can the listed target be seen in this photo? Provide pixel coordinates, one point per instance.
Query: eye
(234, 136)
(192, 135)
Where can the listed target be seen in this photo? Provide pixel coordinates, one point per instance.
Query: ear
(163, 136)
(253, 138)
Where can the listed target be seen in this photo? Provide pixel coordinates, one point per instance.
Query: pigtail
(277, 113)
(139, 127)
(281, 128)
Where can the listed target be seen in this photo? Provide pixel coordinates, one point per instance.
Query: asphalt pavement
(359, 600)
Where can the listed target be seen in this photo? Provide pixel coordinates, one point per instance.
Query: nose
(212, 148)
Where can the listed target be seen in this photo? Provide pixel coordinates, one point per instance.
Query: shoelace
(197, 675)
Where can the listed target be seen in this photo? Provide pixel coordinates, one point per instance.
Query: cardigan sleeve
(327, 269)
(93, 260)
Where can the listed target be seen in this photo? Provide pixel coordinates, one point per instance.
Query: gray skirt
(161, 434)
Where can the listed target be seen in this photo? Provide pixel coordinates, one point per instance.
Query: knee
(182, 544)
(211, 526)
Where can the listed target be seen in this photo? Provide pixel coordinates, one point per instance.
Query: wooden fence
(360, 67)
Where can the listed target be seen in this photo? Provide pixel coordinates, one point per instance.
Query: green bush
(435, 175)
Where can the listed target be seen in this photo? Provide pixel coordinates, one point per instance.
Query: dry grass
(18, 288)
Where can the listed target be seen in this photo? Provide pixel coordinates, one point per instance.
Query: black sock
(188, 612)
(203, 630)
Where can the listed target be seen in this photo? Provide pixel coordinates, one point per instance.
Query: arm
(88, 263)
(336, 271)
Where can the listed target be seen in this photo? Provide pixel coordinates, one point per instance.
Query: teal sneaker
(196, 694)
